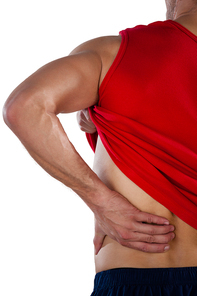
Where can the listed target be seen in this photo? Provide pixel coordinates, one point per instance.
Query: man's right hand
(121, 221)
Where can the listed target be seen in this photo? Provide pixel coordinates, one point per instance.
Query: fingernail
(166, 223)
(166, 248)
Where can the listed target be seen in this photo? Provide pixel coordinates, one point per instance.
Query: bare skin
(31, 112)
(179, 8)
(183, 247)
(67, 85)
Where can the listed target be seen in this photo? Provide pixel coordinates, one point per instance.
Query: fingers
(147, 243)
(98, 241)
(146, 247)
(150, 243)
(84, 127)
(146, 233)
(98, 238)
(154, 229)
(85, 122)
(157, 239)
(87, 115)
(132, 228)
(150, 218)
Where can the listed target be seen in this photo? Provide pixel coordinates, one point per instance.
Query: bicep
(65, 85)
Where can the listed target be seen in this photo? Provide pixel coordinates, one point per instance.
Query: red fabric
(146, 116)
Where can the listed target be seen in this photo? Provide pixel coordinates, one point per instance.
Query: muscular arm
(63, 86)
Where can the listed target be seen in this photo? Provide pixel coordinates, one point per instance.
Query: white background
(46, 231)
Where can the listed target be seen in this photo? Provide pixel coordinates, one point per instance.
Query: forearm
(43, 136)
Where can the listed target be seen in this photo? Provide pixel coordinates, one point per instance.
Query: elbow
(9, 114)
(12, 111)
(25, 111)
(18, 111)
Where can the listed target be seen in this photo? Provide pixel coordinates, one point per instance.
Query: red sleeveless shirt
(146, 116)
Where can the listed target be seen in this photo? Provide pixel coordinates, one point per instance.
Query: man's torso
(112, 255)
(183, 249)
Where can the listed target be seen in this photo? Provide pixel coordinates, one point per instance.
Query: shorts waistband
(146, 276)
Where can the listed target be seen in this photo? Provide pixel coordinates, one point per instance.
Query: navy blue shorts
(146, 282)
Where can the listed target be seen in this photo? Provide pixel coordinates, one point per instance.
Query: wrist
(94, 193)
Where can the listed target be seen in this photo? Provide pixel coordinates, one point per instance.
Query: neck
(181, 8)
(185, 13)
(185, 7)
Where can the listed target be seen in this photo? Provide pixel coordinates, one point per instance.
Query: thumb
(98, 238)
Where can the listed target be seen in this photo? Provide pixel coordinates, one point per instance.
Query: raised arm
(63, 86)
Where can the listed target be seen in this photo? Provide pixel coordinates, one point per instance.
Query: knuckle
(150, 219)
(80, 122)
(170, 237)
(144, 248)
(150, 239)
(166, 239)
(152, 231)
(134, 236)
(124, 235)
(128, 235)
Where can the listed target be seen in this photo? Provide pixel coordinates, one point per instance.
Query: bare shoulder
(61, 85)
(105, 47)
(100, 45)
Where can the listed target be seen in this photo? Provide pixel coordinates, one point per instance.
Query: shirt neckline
(184, 29)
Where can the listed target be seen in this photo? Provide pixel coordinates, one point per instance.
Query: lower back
(183, 248)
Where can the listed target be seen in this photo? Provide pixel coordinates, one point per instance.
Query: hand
(85, 122)
(130, 227)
